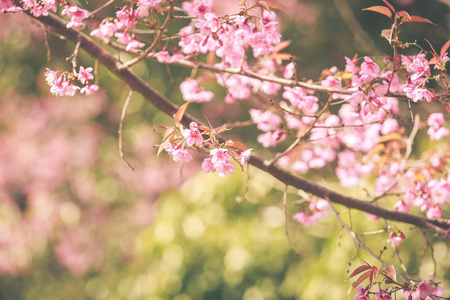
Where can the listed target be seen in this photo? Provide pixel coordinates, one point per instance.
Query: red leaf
(359, 270)
(180, 113)
(203, 128)
(221, 129)
(236, 145)
(411, 19)
(403, 13)
(381, 10)
(282, 45)
(375, 271)
(360, 279)
(389, 5)
(273, 5)
(387, 34)
(165, 143)
(168, 132)
(445, 48)
(433, 61)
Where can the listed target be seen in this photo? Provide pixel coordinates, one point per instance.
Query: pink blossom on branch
(85, 74)
(423, 289)
(76, 15)
(192, 92)
(193, 135)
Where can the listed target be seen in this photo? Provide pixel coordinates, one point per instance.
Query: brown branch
(166, 106)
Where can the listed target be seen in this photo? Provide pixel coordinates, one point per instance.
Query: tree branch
(166, 106)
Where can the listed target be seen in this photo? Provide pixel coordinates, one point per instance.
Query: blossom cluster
(221, 156)
(61, 82)
(421, 291)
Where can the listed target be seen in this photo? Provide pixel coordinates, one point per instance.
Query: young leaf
(433, 61)
(221, 129)
(263, 4)
(410, 19)
(390, 136)
(165, 143)
(390, 274)
(445, 48)
(359, 270)
(203, 128)
(274, 5)
(360, 279)
(381, 10)
(375, 150)
(282, 45)
(403, 13)
(389, 5)
(236, 145)
(180, 113)
(168, 132)
(375, 271)
(387, 34)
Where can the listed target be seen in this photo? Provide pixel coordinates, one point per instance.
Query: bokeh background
(77, 223)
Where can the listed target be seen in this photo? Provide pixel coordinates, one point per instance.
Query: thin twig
(286, 229)
(122, 117)
(155, 41)
(358, 241)
(409, 144)
(47, 46)
(101, 8)
(298, 140)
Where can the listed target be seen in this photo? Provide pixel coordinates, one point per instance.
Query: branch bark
(166, 106)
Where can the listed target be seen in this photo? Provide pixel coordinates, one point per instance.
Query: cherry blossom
(193, 135)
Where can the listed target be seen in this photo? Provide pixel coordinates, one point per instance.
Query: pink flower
(381, 295)
(363, 294)
(304, 218)
(191, 92)
(220, 155)
(417, 94)
(89, 89)
(181, 154)
(434, 212)
(38, 11)
(419, 66)
(208, 166)
(289, 70)
(224, 168)
(63, 87)
(105, 30)
(389, 126)
(437, 130)
(76, 14)
(123, 37)
(193, 135)
(402, 206)
(270, 139)
(133, 44)
(245, 156)
(200, 8)
(85, 74)
(369, 70)
(265, 120)
(396, 240)
(50, 76)
(423, 289)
